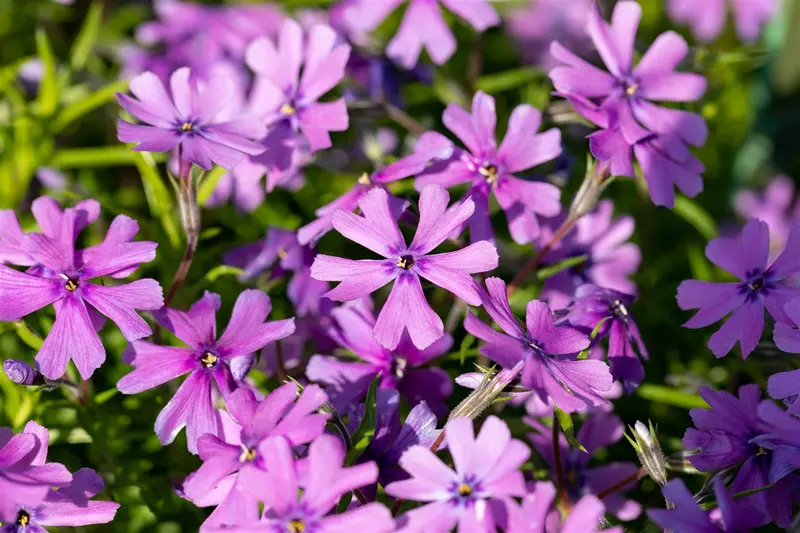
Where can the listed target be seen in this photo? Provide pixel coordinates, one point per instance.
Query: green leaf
(695, 215)
(466, 344)
(362, 436)
(567, 428)
(85, 105)
(106, 156)
(158, 197)
(28, 336)
(222, 270)
(670, 396)
(209, 183)
(47, 100)
(552, 270)
(509, 79)
(84, 42)
(104, 396)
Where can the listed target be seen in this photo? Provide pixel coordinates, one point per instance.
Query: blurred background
(61, 64)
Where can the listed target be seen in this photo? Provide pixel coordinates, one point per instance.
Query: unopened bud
(22, 373)
(645, 442)
(486, 393)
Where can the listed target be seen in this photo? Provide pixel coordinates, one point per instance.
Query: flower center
(398, 367)
(364, 179)
(297, 525)
(757, 283)
(288, 109)
(187, 126)
(464, 490)
(761, 451)
(631, 88)
(23, 518)
(71, 283)
(405, 262)
(282, 253)
(248, 454)
(209, 360)
(618, 309)
(489, 172)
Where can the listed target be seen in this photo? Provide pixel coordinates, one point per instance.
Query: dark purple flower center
(209, 360)
(23, 518)
(465, 491)
(405, 262)
(757, 283)
(71, 283)
(618, 309)
(397, 367)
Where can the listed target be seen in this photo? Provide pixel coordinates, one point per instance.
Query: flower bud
(645, 442)
(22, 373)
(486, 392)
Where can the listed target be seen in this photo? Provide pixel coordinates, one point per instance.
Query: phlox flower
(198, 117)
(423, 25)
(486, 474)
(490, 170)
(774, 206)
(786, 385)
(324, 481)
(707, 19)
(759, 286)
(406, 309)
(551, 370)
(207, 360)
(399, 369)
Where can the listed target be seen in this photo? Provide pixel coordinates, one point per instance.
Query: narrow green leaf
(85, 41)
(509, 79)
(104, 396)
(158, 197)
(567, 428)
(466, 344)
(670, 396)
(47, 99)
(107, 156)
(222, 270)
(552, 270)
(691, 212)
(28, 336)
(209, 183)
(362, 436)
(88, 104)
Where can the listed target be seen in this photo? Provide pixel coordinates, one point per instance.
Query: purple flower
(533, 515)
(423, 25)
(600, 430)
(207, 360)
(198, 118)
(21, 372)
(726, 436)
(313, 231)
(486, 473)
(686, 516)
(707, 19)
(609, 309)
(490, 170)
(760, 286)
(540, 22)
(786, 385)
(288, 509)
(406, 308)
(243, 186)
(551, 370)
(774, 207)
(610, 259)
(247, 426)
(399, 368)
(286, 101)
(26, 478)
(62, 279)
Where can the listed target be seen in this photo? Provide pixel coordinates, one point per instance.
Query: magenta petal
(745, 325)
(149, 89)
(247, 331)
(21, 294)
(376, 515)
(17, 448)
(149, 138)
(437, 222)
(358, 278)
(422, 25)
(196, 388)
(502, 349)
(318, 119)
(407, 308)
(67, 513)
(522, 148)
(71, 337)
(120, 304)
(480, 13)
(452, 270)
(156, 365)
(743, 254)
(377, 230)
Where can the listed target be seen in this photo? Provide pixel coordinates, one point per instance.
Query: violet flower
(550, 369)
(399, 369)
(726, 436)
(707, 19)
(207, 360)
(610, 258)
(594, 306)
(423, 25)
(760, 286)
(197, 117)
(289, 509)
(598, 431)
(486, 474)
(286, 101)
(786, 385)
(775, 207)
(537, 506)
(490, 170)
(242, 185)
(63, 280)
(685, 516)
(26, 478)
(282, 413)
(406, 308)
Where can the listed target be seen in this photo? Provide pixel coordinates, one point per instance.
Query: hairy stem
(622, 483)
(190, 219)
(531, 265)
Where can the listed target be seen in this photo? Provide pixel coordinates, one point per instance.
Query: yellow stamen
(631, 89)
(464, 490)
(364, 179)
(288, 109)
(297, 526)
(209, 360)
(405, 262)
(248, 454)
(490, 173)
(23, 518)
(282, 253)
(187, 126)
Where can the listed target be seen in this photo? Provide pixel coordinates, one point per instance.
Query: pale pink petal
(182, 90)
(377, 230)
(406, 308)
(151, 92)
(436, 221)
(359, 278)
(71, 337)
(120, 304)
(156, 365)
(479, 13)
(422, 25)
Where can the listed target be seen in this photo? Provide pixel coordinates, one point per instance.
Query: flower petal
(155, 365)
(406, 308)
(71, 337)
(436, 221)
(121, 302)
(358, 278)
